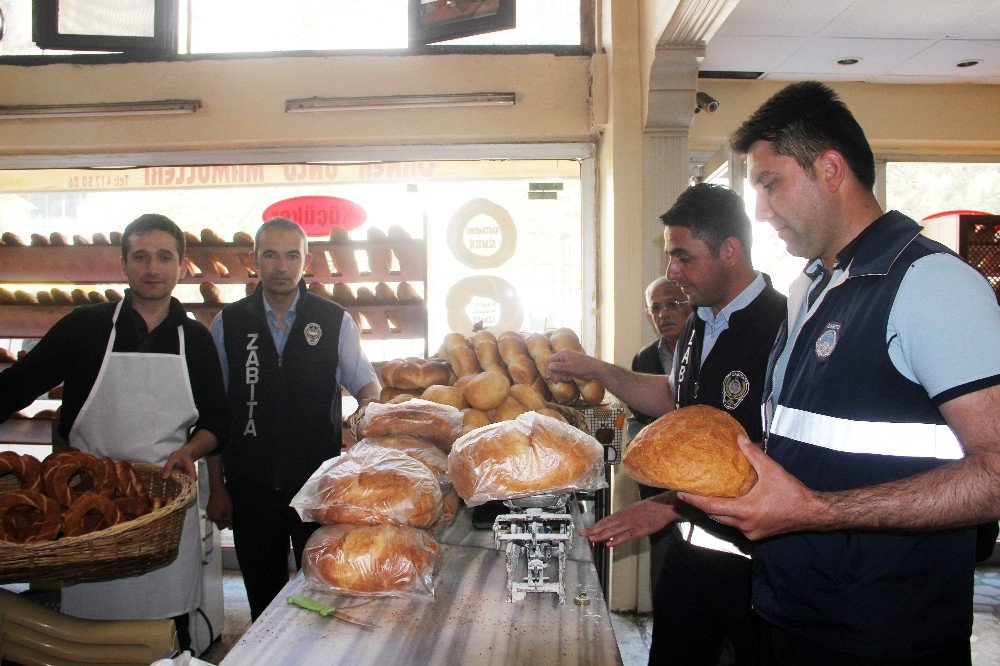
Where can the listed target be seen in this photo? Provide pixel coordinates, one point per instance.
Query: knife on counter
(326, 611)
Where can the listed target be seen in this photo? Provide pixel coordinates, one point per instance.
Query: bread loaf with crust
(692, 449)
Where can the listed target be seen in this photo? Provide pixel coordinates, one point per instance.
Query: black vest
(285, 413)
(733, 376)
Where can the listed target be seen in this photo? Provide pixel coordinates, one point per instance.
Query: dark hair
(152, 222)
(279, 223)
(801, 121)
(713, 213)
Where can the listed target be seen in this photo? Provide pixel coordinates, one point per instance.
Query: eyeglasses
(669, 306)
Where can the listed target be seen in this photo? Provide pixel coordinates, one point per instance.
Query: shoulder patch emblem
(313, 334)
(827, 341)
(735, 387)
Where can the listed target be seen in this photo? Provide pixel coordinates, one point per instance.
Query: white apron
(140, 409)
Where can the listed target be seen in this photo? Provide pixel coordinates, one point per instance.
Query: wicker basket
(128, 548)
(574, 416)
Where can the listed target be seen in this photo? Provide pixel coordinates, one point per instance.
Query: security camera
(706, 102)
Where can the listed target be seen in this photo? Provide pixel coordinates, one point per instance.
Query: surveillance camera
(706, 102)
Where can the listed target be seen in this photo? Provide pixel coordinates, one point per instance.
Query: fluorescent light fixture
(310, 104)
(154, 108)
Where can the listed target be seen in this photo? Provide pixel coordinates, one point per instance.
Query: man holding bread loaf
(702, 597)
(883, 444)
(141, 383)
(285, 354)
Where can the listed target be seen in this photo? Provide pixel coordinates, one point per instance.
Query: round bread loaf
(530, 455)
(487, 390)
(371, 560)
(434, 372)
(445, 395)
(692, 449)
(378, 485)
(404, 374)
(418, 418)
(509, 409)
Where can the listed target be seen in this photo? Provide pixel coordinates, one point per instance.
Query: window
(168, 28)
(919, 189)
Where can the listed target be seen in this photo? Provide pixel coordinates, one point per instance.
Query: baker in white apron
(140, 409)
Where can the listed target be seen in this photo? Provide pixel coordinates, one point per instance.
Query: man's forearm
(216, 477)
(201, 444)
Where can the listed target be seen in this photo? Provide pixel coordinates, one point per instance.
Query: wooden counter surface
(469, 621)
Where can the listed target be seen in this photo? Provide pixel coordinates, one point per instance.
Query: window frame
(45, 32)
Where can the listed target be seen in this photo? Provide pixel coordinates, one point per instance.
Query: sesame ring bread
(27, 470)
(28, 516)
(378, 485)
(530, 455)
(374, 560)
(88, 513)
(692, 449)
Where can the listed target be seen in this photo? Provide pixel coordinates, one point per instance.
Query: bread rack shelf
(220, 264)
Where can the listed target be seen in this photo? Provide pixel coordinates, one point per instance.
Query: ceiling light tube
(311, 104)
(152, 108)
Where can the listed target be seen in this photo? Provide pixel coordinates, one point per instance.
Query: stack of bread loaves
(490, 379)
(378, 500)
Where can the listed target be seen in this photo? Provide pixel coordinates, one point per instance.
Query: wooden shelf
(410, 319)
(100, 264)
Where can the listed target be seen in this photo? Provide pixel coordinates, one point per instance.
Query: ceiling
(895, 41)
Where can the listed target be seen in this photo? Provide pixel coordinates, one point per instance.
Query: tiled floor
(634, 631)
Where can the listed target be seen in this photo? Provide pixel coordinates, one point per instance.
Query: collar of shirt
(279, 335)
(666, 354)
(143, 336)
(716, 324)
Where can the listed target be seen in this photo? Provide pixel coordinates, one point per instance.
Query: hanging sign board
(318, 214)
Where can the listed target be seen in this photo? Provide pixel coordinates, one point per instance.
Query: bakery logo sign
(252, 374)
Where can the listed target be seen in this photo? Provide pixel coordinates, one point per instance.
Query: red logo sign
(318, 214)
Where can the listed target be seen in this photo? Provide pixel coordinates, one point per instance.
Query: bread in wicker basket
(128, 548)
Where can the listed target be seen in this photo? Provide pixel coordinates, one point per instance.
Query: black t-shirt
(71, 353)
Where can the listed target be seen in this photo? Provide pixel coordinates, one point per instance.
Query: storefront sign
(318, 214)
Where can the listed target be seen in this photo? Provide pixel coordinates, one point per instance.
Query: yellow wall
(244, 103)
(900, 119)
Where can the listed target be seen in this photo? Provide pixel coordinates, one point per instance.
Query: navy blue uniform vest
(733, 376)
(281, 408)
(884, 594)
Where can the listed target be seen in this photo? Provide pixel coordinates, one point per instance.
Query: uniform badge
(313, 334)
(735, 387)
(827, 341)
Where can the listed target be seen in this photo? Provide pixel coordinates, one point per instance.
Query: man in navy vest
(285, 354)
(883, 445)
(702, 596)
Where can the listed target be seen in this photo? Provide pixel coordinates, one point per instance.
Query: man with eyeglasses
(702, 597)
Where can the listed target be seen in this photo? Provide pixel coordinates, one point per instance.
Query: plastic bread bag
(375, 485)
(371, 561)
(421, 449)
(451, 504)
(434, 422)
(531, 455)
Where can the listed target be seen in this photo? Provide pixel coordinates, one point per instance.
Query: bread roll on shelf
(509, 409)
(96, 297)
(115, 237)
(343, 295)
(339, 235)
(403, 247)
(101, 239)
(435, 372)
(404, 374)
(318, 289)
(219, 266)
(24, 298)
(540, 350)
(379, 254)
(209, 237)
(445, 395)
(514, 353)
(44, 298)
(342, 254)
(210, 293)
(11, 239)
(7, 297)
(113, 295)
(38, 240)
(486, 390)
(60, 297)
(364, 296)
(80, 240)
(56, 239)
(461, 355)
(79, 297)
(190, 239)
(406, 293)
(592, 391)
(242, 238)
(384, 292)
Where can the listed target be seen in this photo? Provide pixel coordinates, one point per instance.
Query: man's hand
(565, 365)
(183, 459)
(777, 503)
(220, 508)
(635, 521)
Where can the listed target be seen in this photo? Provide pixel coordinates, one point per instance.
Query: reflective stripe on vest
(910, 440)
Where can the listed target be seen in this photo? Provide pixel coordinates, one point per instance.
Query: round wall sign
(481, 234)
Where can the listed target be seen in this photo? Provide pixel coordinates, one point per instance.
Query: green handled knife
(326, 611)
